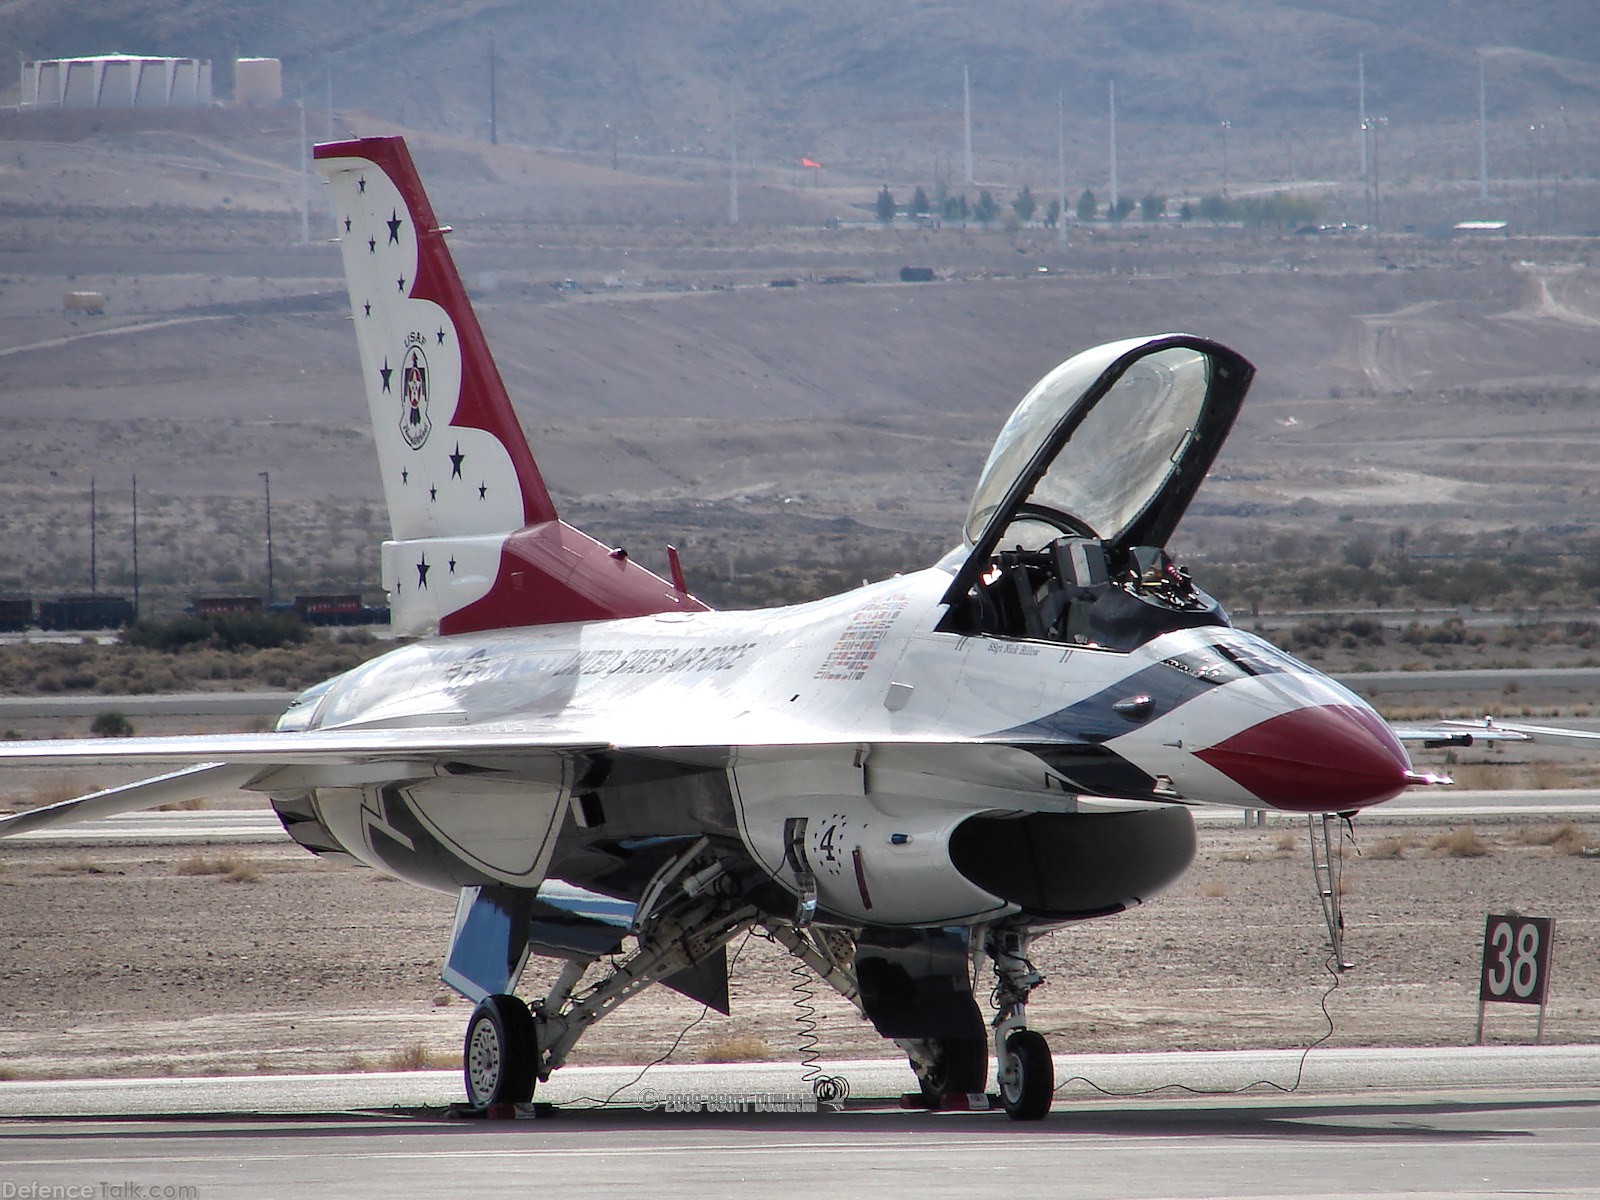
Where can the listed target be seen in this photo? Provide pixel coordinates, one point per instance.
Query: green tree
(1280, 209)
(919, 203)
(955, 207)
(1152, 207)
(1052, 214)
(1120, 210)
(1185, 211)
(886, 205)
(1215, 209)
(986, 210)
(1025, 205)
(1086, 207)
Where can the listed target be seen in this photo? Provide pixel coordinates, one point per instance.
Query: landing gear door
(1111, 446)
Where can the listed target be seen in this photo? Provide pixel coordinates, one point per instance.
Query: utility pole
(266, 479)
(494, 128)
(1536, 163)
(1112, 85)
(966, 107)
(1483, 130)
(135, 545)
(733, 159)
(305, 176)
(1061, 171)
(1374, 124)
(1226, 125)
(1361, 109)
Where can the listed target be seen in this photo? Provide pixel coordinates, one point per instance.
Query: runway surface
(260, 825)
(1363, 1123)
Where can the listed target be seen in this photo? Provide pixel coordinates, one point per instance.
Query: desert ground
(222, 960)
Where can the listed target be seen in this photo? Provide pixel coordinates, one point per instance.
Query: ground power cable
(591, 1103)
(1331, 964)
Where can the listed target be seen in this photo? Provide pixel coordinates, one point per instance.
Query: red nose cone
(1323, 759)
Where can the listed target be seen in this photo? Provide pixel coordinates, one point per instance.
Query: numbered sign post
(1516, 964)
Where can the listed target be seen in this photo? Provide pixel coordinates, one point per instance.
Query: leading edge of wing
(1489, 729)
(1465, 733)
(309, 748)
(178, 787)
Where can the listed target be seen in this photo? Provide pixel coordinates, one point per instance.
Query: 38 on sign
(1516, 959)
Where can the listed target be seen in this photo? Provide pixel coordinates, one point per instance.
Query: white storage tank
(116, 81)
(257, 81)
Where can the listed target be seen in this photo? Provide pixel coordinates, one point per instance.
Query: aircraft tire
(1029, 1086)
(960, 1065)
(500, 1052)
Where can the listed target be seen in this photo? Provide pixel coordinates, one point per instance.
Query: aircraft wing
(191, 783)
(1462, 733)
(299, 761)
(1489, 729)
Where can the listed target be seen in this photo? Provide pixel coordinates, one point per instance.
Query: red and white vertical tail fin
(476, 541)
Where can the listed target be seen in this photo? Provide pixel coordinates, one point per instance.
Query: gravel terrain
(126, 961)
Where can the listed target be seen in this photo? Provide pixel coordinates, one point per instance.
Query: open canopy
(1111, 445)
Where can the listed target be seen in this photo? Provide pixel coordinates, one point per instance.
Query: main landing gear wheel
(500, 1052)
(1027, 1076)
(960, 1065)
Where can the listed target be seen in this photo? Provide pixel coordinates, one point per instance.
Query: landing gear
(958, 1066)
(1026, 1073)
(685, 917)
(1027, 1076)
(501, 1052)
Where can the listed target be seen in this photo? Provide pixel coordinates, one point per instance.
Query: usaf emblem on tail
(414, 423)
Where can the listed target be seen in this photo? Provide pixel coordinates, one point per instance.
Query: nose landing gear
(1024, 1069)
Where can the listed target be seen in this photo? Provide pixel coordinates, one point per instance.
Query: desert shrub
(736, 1047)
(1387, 848)
(228, 867)
(111, 724)
(419, 1056)
(1565, 838)
(1461, 843)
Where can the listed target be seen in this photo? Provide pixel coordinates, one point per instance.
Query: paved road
(1476, 1128)
(181, 704)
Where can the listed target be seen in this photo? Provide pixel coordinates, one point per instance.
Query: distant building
(116, 81)
(257, 81)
